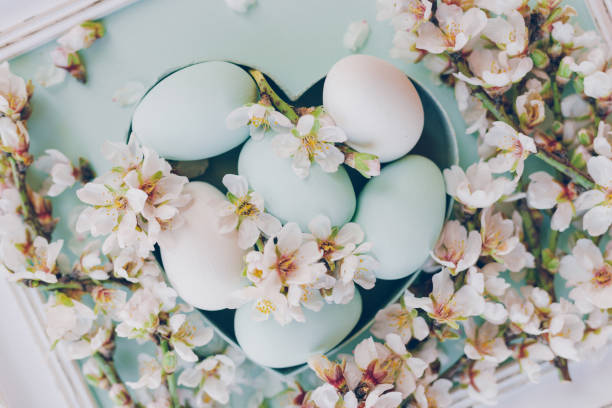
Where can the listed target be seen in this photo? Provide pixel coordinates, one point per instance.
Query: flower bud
(169, 361)
(585, 137)
(540, 58)
(564, 73)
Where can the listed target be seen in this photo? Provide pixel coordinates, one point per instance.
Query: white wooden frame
(34, 31)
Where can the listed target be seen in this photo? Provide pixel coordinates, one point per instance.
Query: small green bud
(540, 58)
(169, 362)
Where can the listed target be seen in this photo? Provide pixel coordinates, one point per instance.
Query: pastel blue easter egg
(203, 265)
(183, 116)
(269, 344)
(402, 212)
(293, 199)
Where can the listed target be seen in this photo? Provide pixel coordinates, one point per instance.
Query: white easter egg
(293, 199)
(203, 265)
(402, 212)
(272, 345)
(183, 116)
(376, 105)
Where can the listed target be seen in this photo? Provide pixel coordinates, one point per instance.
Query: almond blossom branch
(265, 89)
(29, 215)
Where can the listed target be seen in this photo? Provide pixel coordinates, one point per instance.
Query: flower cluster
(66, 56)
(308, 138)
(290, 269)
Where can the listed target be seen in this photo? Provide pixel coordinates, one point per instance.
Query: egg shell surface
(183, 116)
(290, 198)
(402, 212)
(272, 345)
(375, 104)
(203, 265)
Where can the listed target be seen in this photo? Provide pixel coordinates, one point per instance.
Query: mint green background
(295, 42)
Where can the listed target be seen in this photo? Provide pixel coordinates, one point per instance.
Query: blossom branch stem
(490, 106)
(265, 89)
(29, 215)
(108, 368)
(576, 175)
(170, 379)
(556, 100)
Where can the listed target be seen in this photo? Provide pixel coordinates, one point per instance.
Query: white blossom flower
(113, 211)
(530, 357)
(290, 263)
(524, 312)
(483, 343)
(60, 169)
(129, 93)
(586, 270)
(410, 369)
(512, 148)
(444, 304)
(436, 394)
(593, 60)
(456, 249)
(455, 28)
(602, 144)
(150, 373)
(499, 6)
(404, 46)
(487, 282)
(598, 85)
(405, 15)
(215, 375)
(494, 70)
(240, 6)
(14, 136)
(80, 37)
(356, 35)
(544, 192)
(566, 35)
(482, 384)
(66, 318)
(129, 265)
(476, 187)
(575, 107)
(311, 140)
(38, 262)
(50, 75)
(13, 92)
(509, 34)
(471, 108)
(566, 330)
(261, 119)
(91, 342)
(400, 320)
(596, 335)
(500, 239)
(188, 331)
(163, 191)
(140, 315)
(245, 211)
(597, 202)
(108, 301)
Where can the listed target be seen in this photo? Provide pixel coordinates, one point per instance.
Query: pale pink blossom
(400, 320)
(511, 147)
(586, 270)
(456, 249)
(566, 330)
(60, 169)
(598, 201)
(476, 187)
(455, 28)
(544, 192)
(602, 144)
(509, 34)
(483, 343)
(444, 304)
(495, 70)
(530, 358)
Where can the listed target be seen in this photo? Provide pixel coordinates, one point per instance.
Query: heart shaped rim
(450, 156)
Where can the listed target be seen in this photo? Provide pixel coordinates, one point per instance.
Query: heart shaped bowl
(438, 143)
